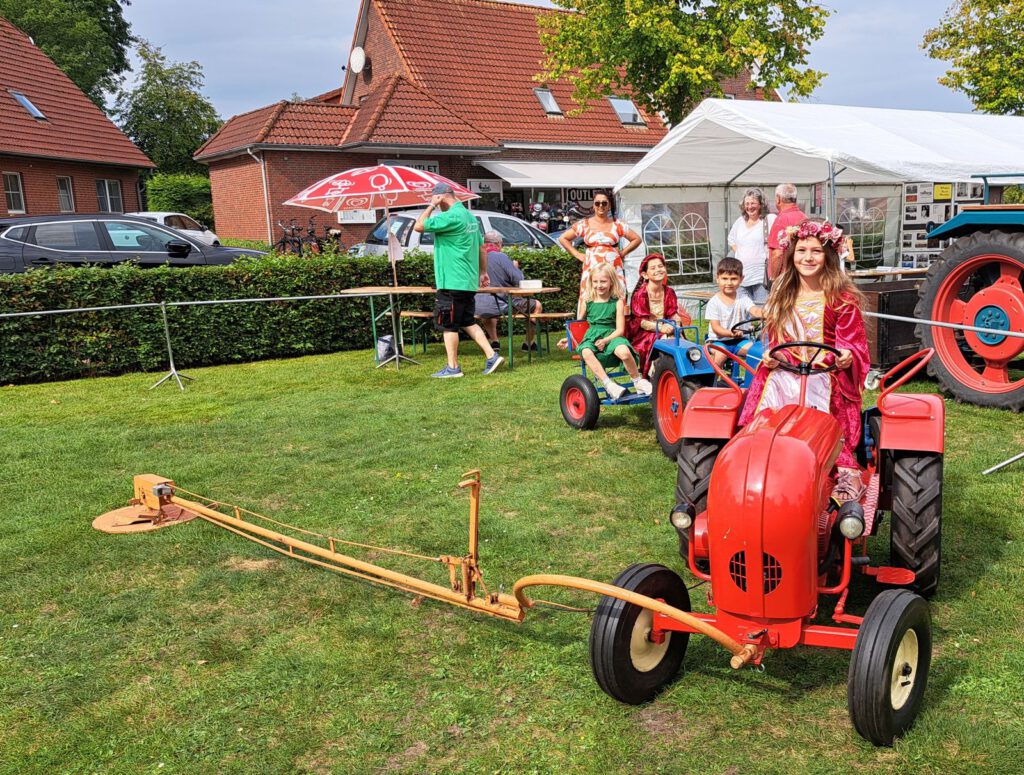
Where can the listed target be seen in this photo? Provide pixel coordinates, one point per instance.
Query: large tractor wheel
(917, 517)
(977, 282)
(694, 462)
(670, 396)
(889, 666)
(627, 664)
(581, 406)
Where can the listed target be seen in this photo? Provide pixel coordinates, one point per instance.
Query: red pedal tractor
(756, 519)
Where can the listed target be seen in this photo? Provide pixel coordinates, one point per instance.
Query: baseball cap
(442, 188)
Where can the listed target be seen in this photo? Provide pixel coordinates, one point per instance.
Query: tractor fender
(712, 413)
(680, 355)
(912, 421)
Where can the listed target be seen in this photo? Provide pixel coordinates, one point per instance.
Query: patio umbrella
(379, 187)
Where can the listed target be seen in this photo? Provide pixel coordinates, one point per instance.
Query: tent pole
(831, 191)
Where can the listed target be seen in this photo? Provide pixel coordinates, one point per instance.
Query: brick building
(59, 153)
(451, 91)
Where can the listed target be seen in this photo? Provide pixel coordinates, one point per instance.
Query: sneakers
(614, 390)
(643, 386)
(492, 363)
(528, 347)
(447, 373)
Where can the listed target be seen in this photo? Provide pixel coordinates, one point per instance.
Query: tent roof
(745, 143)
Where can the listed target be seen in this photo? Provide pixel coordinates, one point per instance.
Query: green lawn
(190, 650)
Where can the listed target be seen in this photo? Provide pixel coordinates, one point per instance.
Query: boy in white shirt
(728, 307)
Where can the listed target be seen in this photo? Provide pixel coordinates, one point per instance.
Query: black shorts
(454, 310)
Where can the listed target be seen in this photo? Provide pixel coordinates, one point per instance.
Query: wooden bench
(422, 324)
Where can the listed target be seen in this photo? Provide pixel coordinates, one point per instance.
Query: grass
(190, 650)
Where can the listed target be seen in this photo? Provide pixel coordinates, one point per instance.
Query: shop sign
(417, 164)
(357, 216)
(580, 195)
(485, 186)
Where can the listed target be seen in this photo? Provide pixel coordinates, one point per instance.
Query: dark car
(105, 239)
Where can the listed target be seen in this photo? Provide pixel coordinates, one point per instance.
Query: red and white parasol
(378, 188)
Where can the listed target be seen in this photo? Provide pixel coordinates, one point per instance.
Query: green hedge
(51, 347)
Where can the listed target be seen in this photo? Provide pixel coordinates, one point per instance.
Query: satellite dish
(357, 60)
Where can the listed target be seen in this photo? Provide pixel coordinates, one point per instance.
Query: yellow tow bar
(157, 504)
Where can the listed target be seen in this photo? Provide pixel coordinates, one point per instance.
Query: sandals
(849, 485)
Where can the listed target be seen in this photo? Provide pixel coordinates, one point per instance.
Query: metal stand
(397, 337)
(1005, 463)
(177, 375)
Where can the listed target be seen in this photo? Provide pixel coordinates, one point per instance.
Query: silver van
(512, 230)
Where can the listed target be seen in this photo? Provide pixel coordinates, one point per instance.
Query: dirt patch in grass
(405, 758)
(247, 564)
(666, 724)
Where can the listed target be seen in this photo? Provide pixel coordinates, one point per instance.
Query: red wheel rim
(998, 304)
(575, 403)
(669, 404)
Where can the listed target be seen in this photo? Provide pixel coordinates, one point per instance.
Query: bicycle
(311, 241)
(290, 241)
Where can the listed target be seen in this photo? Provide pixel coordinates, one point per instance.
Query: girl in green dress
(605, 344)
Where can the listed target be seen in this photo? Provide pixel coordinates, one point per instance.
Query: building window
(27, 104)
(108, 196)
(626, 110)
(548, 101)
(66, 195)
(14, 193)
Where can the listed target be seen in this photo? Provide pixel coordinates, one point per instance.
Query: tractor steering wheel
(805, 368)
(745, 328)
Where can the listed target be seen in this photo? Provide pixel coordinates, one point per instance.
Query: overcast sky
(256, 52)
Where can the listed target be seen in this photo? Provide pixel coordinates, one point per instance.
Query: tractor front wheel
(670, 396)
(581, 405)
(627, 663)
(916, 541)
(889, 666)
(977, 282)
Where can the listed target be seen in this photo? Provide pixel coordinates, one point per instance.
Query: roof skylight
(548, 101)
(27, 104)
(626, 110)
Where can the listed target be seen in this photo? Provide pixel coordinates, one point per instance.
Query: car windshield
(400, 226)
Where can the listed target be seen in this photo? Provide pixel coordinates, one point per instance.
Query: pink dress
(842, 327)
(602, 247)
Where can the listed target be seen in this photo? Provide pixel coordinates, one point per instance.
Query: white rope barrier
(940, 324)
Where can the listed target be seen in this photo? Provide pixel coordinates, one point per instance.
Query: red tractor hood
(769, 486)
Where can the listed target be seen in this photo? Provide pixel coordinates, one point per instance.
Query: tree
(87, 39)
(670, 55)
(165, 114)
(981, 39)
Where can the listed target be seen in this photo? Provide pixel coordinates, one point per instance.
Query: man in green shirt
(460, 266)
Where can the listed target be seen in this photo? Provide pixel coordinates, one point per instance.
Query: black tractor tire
(694, 463)
(1010, 247)
(581, 406)
(889, 666)
(626, 665)
(917, 517)
(667, 403)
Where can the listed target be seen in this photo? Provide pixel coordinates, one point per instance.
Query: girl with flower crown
(812, 300)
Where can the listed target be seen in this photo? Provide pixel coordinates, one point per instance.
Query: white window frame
(634, 119)
(70, 193)
(685, 245)
(547, 100)
(104, 204)
(28, 105)
(9, 193)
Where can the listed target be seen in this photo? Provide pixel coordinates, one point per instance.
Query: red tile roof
(400, 114)
(479, 57)
(74, 127)
(283, 123)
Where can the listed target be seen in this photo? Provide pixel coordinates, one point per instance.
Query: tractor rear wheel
(627, 664)
(581, 405)
(977, 282)
(670, 396)
(917, 517)
(889, 666)
(694, 462)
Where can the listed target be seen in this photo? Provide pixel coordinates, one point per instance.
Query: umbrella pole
(393, 309)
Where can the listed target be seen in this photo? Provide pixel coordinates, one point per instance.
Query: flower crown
(822, 230)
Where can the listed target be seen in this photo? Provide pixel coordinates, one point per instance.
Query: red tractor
(756, 520)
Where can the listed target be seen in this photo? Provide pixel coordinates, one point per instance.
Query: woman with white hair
(748, 241)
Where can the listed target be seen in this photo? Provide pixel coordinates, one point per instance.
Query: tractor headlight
(694, 354)
(851, 520)
(681, 516)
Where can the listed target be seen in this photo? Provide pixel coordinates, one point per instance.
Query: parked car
(184, 224)
(513, 232)
(75, 240)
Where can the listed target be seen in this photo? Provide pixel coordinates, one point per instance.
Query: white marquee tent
(746, 142)
(704, 163)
